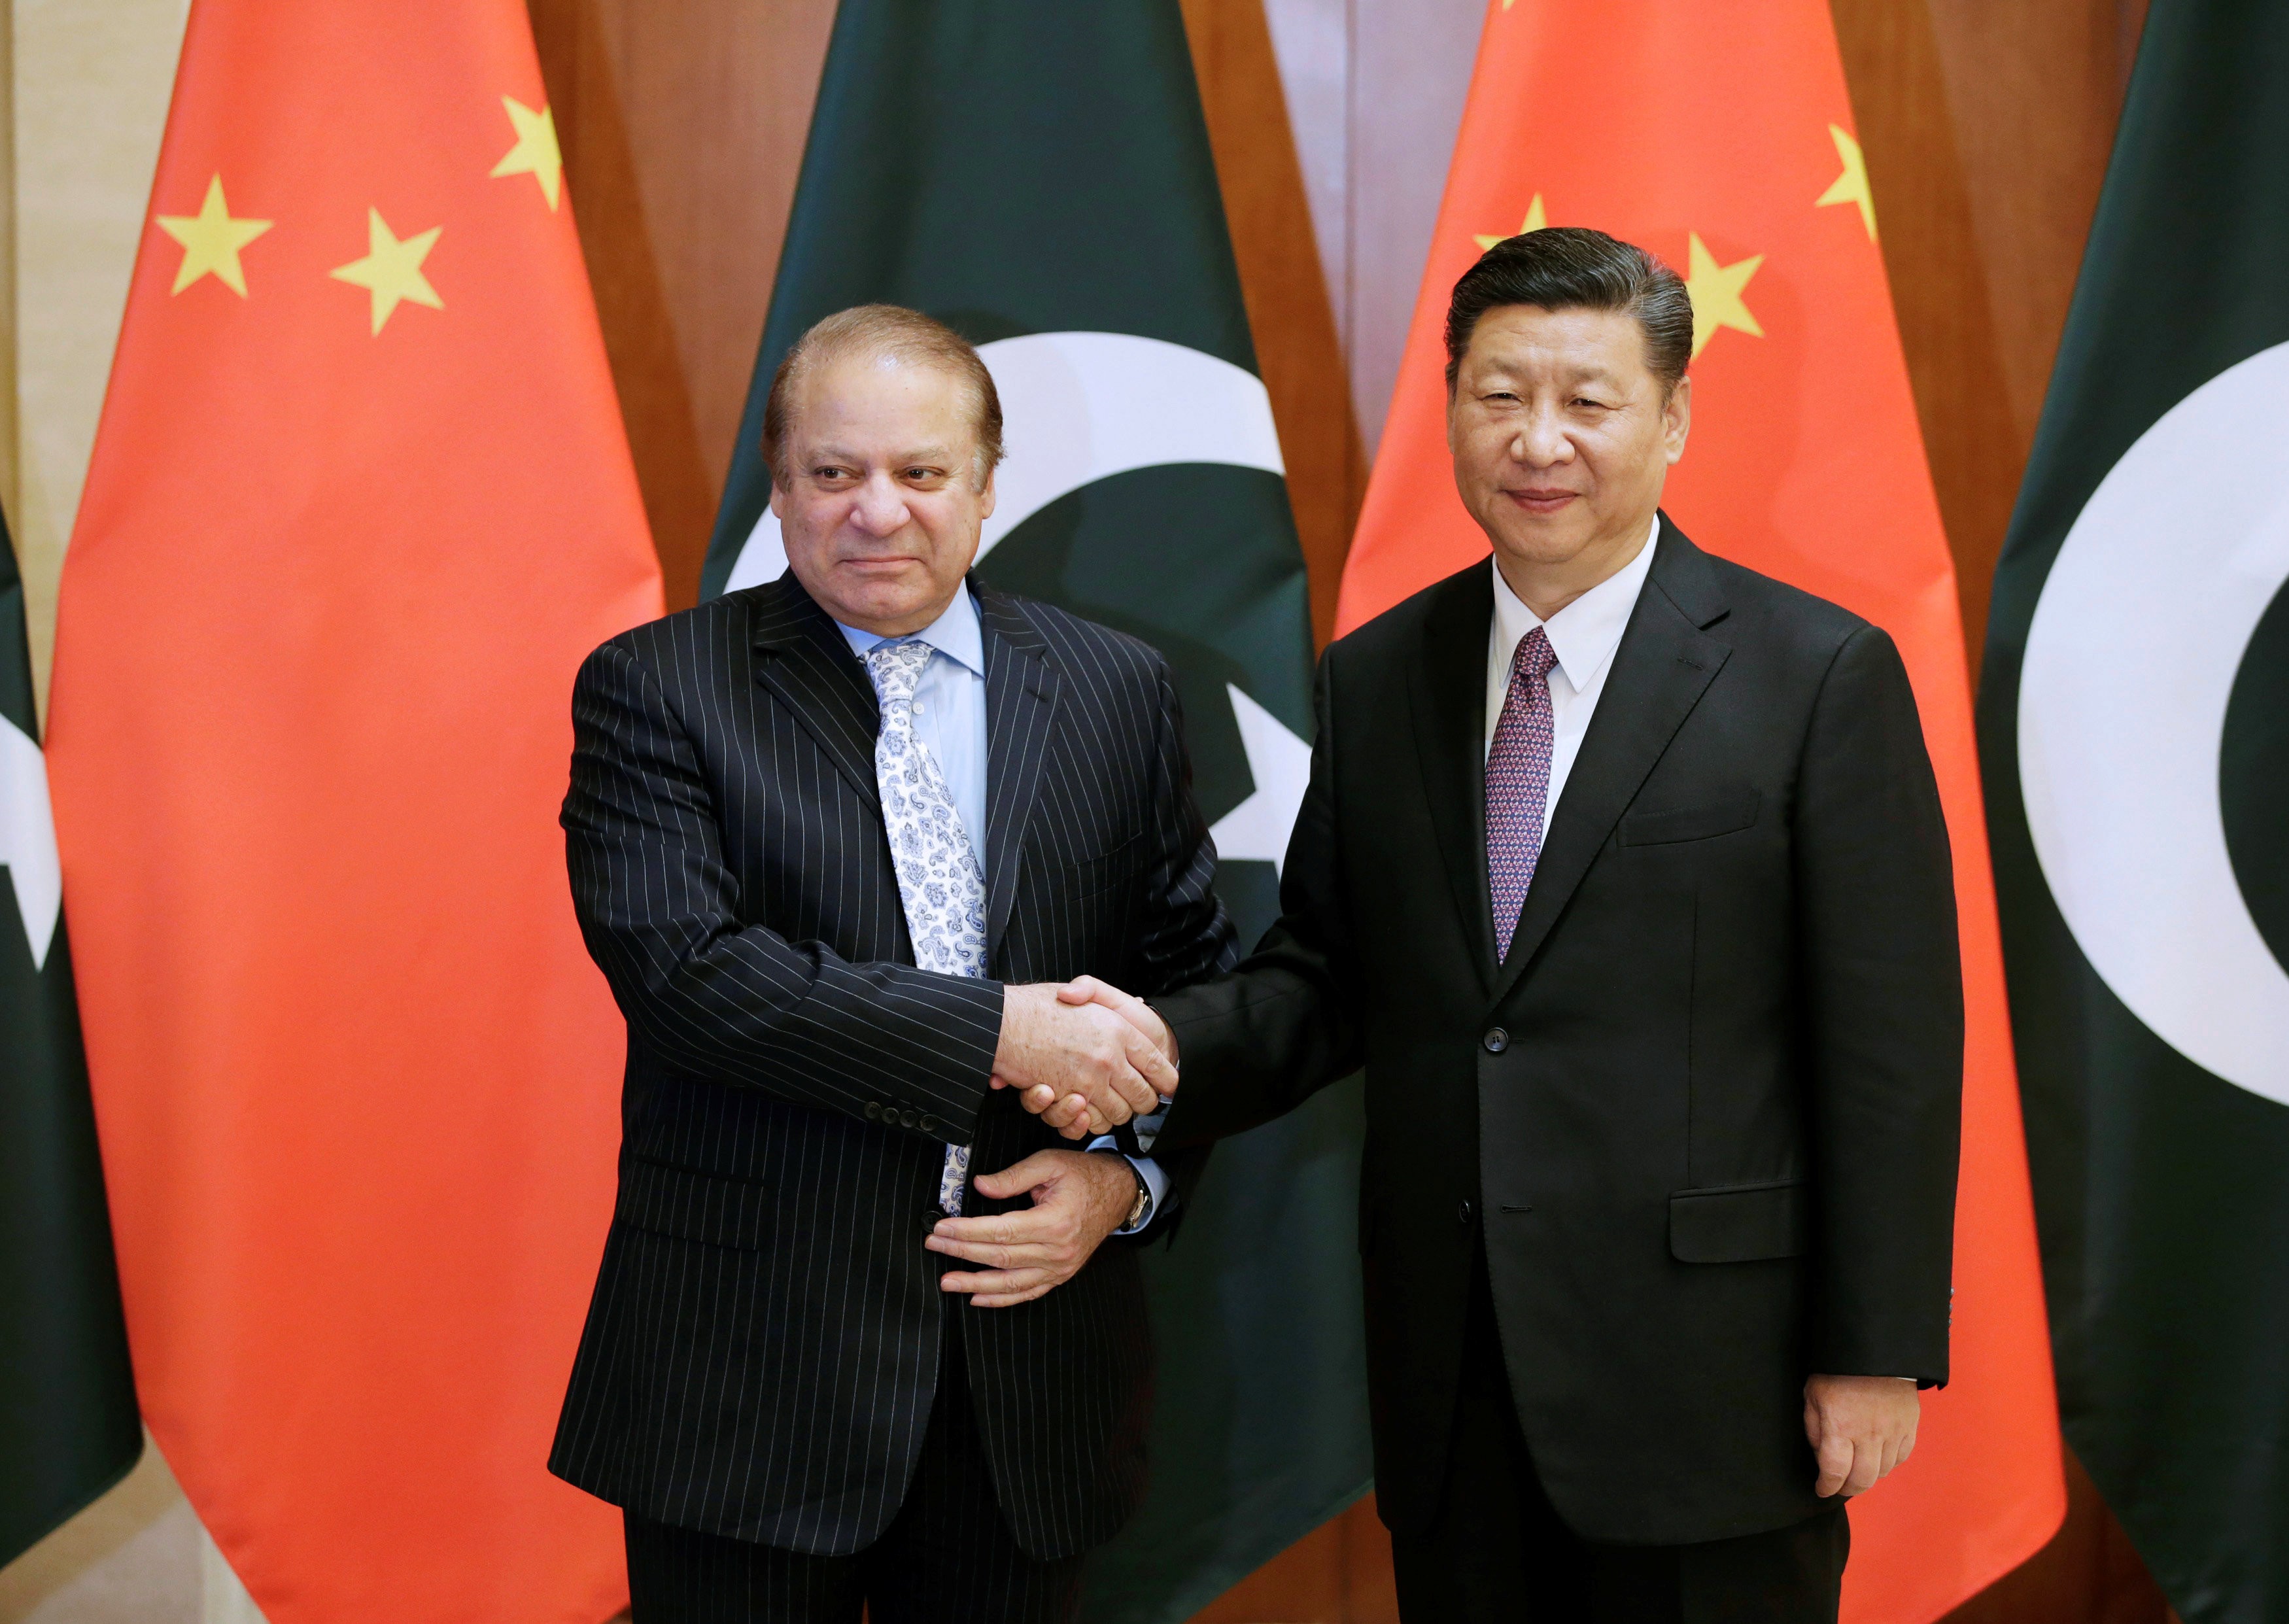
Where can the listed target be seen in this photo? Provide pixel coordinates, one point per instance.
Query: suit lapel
(805, 661)
(1448, 688)
(1021, 702)
(1664, 663)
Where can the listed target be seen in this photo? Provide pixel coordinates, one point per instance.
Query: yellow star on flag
(1852, 185)
(391, 269)
(1535, 220)
(1716, 293)
(536, 152)
(210, 240)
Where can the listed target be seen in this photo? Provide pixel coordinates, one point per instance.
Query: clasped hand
(1084, 1057)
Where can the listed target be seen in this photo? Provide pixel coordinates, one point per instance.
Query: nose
(880, 508)
(1542, 440)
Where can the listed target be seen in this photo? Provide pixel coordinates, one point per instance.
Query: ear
(779, 507)
(1677, 418)
(986, 497)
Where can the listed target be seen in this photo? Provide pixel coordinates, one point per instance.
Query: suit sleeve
(1257, 1042)
(1187, 935)
(730, 1003)
(1883, 1006)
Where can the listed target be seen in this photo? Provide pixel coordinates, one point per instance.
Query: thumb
(1081, 989)
(1035, 1169)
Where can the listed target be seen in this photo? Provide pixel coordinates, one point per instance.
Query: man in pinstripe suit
(833, 841)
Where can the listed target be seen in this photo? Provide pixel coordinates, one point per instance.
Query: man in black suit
(831, 841)
(1622, 873)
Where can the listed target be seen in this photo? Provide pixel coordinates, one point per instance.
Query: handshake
(1085, 1057)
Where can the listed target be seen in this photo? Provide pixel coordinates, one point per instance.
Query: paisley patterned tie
(940, 883)
(1518, 783)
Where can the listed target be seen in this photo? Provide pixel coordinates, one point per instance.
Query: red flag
(1721, 137)
(360, 503)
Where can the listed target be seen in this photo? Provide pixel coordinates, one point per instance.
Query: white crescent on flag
(2131, 660)
(27, 838)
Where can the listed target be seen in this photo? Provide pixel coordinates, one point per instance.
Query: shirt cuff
(1155, 1178)
(1148, 1128)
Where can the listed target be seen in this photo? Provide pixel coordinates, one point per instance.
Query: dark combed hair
(884, 330)
(1572, 267)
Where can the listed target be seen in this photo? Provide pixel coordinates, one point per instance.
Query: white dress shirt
(949, 710)
(1583, 635)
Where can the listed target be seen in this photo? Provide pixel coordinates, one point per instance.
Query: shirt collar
(955, 633)
(1585, 634)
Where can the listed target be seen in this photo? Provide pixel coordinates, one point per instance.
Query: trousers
(947, 1557)
(1499, 1553)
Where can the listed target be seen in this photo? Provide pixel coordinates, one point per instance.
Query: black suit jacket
(1703, 1116)
(761, 1351)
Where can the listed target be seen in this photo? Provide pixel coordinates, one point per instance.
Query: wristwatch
(1144, 1201)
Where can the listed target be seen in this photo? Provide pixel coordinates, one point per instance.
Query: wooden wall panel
(1282, 280)
(683, 128)
(1987, 127)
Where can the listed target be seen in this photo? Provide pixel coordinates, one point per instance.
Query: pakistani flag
(2135, 728)
(67, 1421)
(1036, 174)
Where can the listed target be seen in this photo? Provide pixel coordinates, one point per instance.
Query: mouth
(1540, 499)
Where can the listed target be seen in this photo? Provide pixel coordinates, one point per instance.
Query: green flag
(2135, 733)
(67, 1422)
(1037, 174)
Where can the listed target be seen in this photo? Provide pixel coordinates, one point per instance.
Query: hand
(1079, 1198)
(1082, 1070)
(1130, 1007)
(1860, 1427)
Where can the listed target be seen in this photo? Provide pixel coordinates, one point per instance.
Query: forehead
(880, 394)
(1609, 343)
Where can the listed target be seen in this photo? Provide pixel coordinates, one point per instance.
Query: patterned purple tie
(1518, 783)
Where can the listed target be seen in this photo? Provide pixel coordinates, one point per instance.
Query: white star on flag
(1281, 764)
(27, 838)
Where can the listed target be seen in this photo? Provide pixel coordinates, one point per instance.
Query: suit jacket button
(1497, 1040)
(931, 1216)
(930, 1125)
(908, 1119)
(874, 1110)
(1462, 1210)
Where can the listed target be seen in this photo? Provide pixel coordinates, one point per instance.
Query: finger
(1865, 1459)
(995, 1281)
(1064, 1110)
(987, 1255)
(1036, 1169)
(1887, 1456)
(1151, 1064)
(1115, 1102)
(1082, 989)
(1834, 1451)
(1036, 1099)
(1011, 1300)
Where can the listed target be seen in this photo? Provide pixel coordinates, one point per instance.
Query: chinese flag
(360, 503)
(1720, 138)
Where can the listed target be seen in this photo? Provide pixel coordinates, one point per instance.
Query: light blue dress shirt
(949, 723)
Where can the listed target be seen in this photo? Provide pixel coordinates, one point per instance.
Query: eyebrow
(926, 454)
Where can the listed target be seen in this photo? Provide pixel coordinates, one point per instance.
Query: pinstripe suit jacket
(762, 1348)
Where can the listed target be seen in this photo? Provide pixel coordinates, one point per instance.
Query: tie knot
(895, 668)
(1535, 657)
